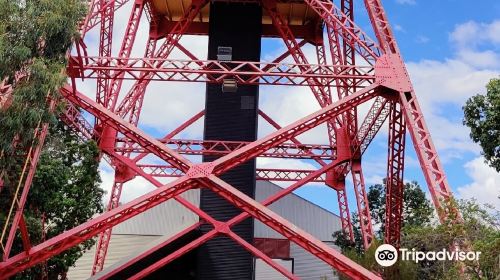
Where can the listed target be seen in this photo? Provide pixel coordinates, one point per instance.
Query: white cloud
(398, 27)
(471, 34)
(406, 2)
(421, 39)
(441, 84)
(485, 187)
(444, 86)
(468, 39)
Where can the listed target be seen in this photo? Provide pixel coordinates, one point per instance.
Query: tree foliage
(482, 116)
(35, 36)
(65, 190)
(480, 229)
(417, 210)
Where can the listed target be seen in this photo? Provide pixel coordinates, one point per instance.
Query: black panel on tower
(231, 114)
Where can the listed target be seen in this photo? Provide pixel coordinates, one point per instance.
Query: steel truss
(384, 82)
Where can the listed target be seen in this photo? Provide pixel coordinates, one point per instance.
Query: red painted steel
(385, 81)
(121, 174)
(194, 177)
(93, 17)
(274, 174)
(105, 44)
(210, 147)
(394, 180)
(244, 72)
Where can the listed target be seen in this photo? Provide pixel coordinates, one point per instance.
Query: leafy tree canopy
(65, 192)
(35, 36)
(480, 228)
(482, 116)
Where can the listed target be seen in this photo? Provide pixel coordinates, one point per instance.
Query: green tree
(482, 116)
(480, 229)
(417, 210)
(65, 190)
(35, 36)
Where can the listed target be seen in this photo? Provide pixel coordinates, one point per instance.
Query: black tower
(232, 116)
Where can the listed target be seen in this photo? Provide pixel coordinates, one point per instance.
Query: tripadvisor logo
(386, 255)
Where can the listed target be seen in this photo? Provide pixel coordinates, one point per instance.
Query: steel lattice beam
(244, 72)
(213, 147)
(394, 181)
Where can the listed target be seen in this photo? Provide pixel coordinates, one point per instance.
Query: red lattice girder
(219, 226)
(93, 17)
(288, 230)
(394, 181)
(122, 173)
(212, 71)
(230, 223)
(341, 192)
(213, 147)
(355, 84)
(131, 104)
(335, 19)
(105, 45)
(125, 50)
(144, 76)
(318, 87)
(377, 114)
(269, 174)
(258, 147)
(362, 202)
(427, 154)
(223, 228)
(381, 26)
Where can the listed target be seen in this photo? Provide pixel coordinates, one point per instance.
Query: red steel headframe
(382, 80)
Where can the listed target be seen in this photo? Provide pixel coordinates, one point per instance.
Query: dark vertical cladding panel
(231, 116)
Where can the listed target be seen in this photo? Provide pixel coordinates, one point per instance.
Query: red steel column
(394, 181)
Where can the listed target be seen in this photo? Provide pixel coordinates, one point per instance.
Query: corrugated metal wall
(307, 266)
(138, 233)
(306, 215)
(164, 219)
(231, 116)
(263, 271)
(120, 246)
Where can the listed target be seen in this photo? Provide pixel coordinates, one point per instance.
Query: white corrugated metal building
(163, 221)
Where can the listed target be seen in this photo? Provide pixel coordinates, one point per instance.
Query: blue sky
(429, 36)
(452, 48)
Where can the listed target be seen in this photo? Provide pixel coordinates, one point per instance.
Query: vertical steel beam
(125, 50)
(339, 180)
(105, 46)
(122, 175)
(112, 93)
(362, 202)
(394, 181)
